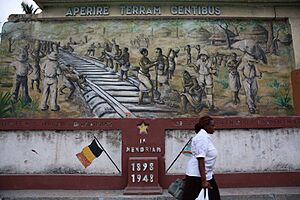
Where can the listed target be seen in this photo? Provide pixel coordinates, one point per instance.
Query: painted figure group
(48, 72)
(114, 58)
(241, 72)
(164, 70)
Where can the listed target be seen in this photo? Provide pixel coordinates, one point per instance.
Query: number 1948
(142, 178)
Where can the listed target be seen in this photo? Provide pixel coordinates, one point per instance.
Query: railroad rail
(107, 95)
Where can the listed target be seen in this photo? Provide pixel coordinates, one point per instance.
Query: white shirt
(204, 66)
(202, 147)
(51, 68)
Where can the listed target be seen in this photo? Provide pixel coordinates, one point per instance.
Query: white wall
(50, 152)
(239, 150)
(247, 150)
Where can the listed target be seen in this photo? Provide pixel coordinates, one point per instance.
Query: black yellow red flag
(89, 153)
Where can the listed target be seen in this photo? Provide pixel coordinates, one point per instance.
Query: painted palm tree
(177, 24)
(133, 27)
(28, 9)
(153, 25)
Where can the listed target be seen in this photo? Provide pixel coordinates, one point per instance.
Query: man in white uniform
(50, 69)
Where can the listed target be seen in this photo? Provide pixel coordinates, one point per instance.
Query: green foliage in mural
(4, 72)
(280, 93)
(3, 52)
(223, 83)
(9, 108)
(24, 106)
(5, 104)
(258, 98)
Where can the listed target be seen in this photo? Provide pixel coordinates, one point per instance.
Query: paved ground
(280, 193)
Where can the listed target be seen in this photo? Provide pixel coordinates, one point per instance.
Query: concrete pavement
(274, 193)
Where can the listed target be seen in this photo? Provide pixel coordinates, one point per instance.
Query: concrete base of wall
(290, 193)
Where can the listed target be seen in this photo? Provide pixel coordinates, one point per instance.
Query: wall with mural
(145, 68)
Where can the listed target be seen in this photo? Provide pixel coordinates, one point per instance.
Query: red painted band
(271, 179)
(174, 123)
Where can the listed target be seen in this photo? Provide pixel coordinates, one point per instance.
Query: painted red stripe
(87, 181)
(81, 157)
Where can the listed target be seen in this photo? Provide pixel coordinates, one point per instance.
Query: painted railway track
(107, 95)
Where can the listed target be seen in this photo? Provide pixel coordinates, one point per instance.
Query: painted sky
(8, 7)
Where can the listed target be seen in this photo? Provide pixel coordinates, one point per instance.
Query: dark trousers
(193, 187)
(21, 80)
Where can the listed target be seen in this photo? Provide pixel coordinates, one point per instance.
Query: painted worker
(146, 85)
(37, 54)
(234, 77)
(123, 60)
(205, 77)
(198, 48)
(51, 70)
(91, 50)
(69, 47)
(107, 52)
(192, 93)
(187, 49)
(70, 78)
(249, 72)
(162, 67)
(172, 55)
(23, 68)
(116, 52)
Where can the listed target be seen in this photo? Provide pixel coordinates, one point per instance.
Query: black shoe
(45, 108)
(252, 111)
(56, 109)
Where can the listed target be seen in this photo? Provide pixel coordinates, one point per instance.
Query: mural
(145, 68)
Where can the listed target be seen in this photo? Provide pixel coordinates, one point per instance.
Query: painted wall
(50, 152)
(242, 150)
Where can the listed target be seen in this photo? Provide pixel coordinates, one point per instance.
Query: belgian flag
(89, 153)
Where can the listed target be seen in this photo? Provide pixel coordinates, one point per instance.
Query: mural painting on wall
(146, 68)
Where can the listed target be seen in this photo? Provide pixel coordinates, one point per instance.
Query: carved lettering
(195, 10)
(140, 10)
(88, 11)
(143, 150)
(142, 141)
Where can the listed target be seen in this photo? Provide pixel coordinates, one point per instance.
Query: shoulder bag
(176, 188)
